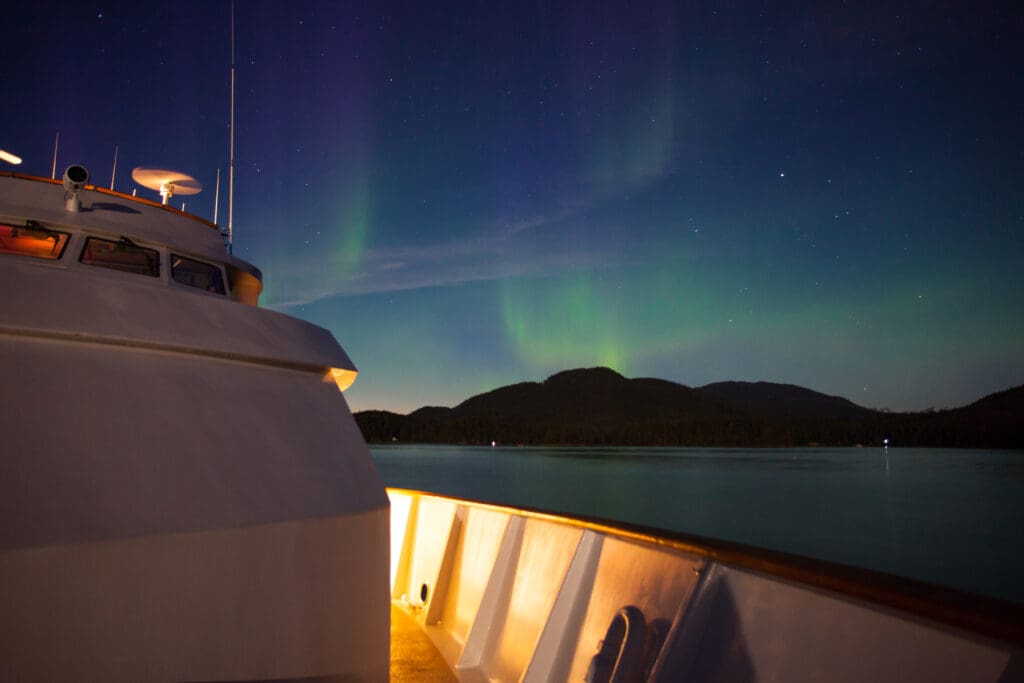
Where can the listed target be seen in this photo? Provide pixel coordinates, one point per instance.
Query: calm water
(954, 517)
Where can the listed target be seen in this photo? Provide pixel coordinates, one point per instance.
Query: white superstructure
(184, 494)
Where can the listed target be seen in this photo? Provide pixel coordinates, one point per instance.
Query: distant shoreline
(612, 445)
(599, 407)
(891, 447)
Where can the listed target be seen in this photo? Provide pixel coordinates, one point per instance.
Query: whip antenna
(53, 173)
(113, 172)
(216, 198)
(231, 128)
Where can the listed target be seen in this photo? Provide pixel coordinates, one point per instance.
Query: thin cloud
(311, 278)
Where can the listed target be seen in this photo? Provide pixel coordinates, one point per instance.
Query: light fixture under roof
(167, 183)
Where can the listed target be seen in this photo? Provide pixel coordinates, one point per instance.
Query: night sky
(474, 194)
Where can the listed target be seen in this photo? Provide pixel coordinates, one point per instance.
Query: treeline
(925, 430)
(600, 407)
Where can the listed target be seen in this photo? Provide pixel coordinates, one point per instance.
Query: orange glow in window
(32, 241)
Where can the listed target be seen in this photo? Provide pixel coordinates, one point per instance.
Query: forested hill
(599, 406)
(783, 400)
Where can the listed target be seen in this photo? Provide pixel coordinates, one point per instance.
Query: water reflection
(946, 516)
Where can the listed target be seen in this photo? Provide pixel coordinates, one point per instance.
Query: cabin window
(32, 240)
(197, 274)
(123, 255)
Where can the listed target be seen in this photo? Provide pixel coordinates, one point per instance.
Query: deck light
(75, 178)
(343, 377)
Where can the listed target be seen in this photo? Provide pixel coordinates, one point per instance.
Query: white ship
(184, 493)
(186, 497)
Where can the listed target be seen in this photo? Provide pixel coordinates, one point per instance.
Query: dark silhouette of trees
(600, 407)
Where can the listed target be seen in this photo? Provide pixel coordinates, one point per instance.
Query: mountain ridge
(598, 406)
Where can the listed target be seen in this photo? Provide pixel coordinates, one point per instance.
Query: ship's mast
(231, 129)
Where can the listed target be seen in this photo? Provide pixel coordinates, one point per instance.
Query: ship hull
(269, 601)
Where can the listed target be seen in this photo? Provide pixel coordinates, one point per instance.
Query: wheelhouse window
(32, 240)
(122, 255)
(197, 274)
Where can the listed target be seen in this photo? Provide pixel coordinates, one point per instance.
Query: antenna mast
(216, 198)
(231, 127)
(53, 173)
(113, 172)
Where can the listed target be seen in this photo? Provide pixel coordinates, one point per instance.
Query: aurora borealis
(474, 194)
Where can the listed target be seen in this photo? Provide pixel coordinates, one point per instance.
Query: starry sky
(828, 194)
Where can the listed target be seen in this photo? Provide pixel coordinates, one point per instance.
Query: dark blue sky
(471, 194)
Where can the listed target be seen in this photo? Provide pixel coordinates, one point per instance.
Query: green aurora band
(352, 229)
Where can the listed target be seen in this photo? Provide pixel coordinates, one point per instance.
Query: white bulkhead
(184, 493)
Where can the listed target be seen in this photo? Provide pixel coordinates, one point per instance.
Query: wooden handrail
(989, 617)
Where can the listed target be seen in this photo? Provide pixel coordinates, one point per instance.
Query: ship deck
(413, 655)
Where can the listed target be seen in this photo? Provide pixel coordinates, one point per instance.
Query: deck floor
(413, 655)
